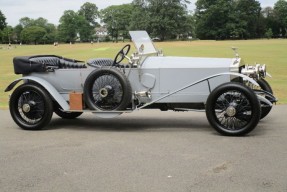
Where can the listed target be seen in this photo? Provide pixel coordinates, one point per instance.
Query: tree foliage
(165, 19)
(17, 32)
(162, 18)
(117, 18)
(140, 16)
(224, 19)
(48, 37)
(269, 33)
(90, 12)
(3, 23)
(248, 13)
(280, 10)
(68, 26)
(7, 34)
(33, 34)
(78, 25)
(214, 19)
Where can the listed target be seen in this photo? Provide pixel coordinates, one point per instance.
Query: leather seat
(100, 62)
(57, 62)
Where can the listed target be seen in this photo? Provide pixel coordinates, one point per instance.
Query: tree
(190, 25)
(26, 22)
(90, 13)
(215, 19)
(140, 16)
(33, 34)
(3, 23)
(269, 33)
(280, 10)
(167, 17)
(78, 25)
(269, 21)
(87, 21)
(164, 19)
(17, 32)
(84, 29)
(41, 22)
(7, 34)
(51, 33)
(248, 12)
(225, 19)
(117, 18)
(68, 27)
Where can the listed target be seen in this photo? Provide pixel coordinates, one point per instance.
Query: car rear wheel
(107, 89)
(233, 109)
(31, 107)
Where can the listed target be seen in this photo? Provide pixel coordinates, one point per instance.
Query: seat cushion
(41, 63)
(100, 62)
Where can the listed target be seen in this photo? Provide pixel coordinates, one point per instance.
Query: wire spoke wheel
(107, 92)
(31, 107)
(233, 109)
(107, 89)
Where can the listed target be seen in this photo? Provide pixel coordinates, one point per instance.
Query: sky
(52, 10)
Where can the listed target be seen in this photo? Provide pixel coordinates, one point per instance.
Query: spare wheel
(107, 89)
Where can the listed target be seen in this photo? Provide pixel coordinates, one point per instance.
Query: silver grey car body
(157, 81)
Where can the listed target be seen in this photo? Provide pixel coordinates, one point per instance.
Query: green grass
(273, 53)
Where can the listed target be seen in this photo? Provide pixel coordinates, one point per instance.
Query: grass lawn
(273, 53)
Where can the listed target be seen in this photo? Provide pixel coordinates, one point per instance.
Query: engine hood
(228, 64)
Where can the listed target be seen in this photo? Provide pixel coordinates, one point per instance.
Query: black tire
(31, 107)
(66, 115)
(264, 85)
(107, 89)
(233, 109)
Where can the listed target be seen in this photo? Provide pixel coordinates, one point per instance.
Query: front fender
(46, 85)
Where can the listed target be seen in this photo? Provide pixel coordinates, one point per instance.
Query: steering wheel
(122, 54)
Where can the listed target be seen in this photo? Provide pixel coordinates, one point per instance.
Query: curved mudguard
(271, 98)
(53, 92)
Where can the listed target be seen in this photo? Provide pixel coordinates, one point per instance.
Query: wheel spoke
(115, 92)
(238, 102)
(37, 107)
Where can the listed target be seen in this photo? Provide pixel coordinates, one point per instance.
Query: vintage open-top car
(234, 95)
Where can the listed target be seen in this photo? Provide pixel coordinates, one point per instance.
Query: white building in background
(101, 33)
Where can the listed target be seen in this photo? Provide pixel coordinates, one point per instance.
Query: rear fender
(46, 85)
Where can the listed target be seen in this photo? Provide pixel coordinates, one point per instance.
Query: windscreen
(142, 42)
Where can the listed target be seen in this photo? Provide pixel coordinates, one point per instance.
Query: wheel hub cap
(103, 92)
(106, 91)
(231, 111)
(26, 108)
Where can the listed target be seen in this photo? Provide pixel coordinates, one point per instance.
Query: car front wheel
(31, 107)
(233, 109)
